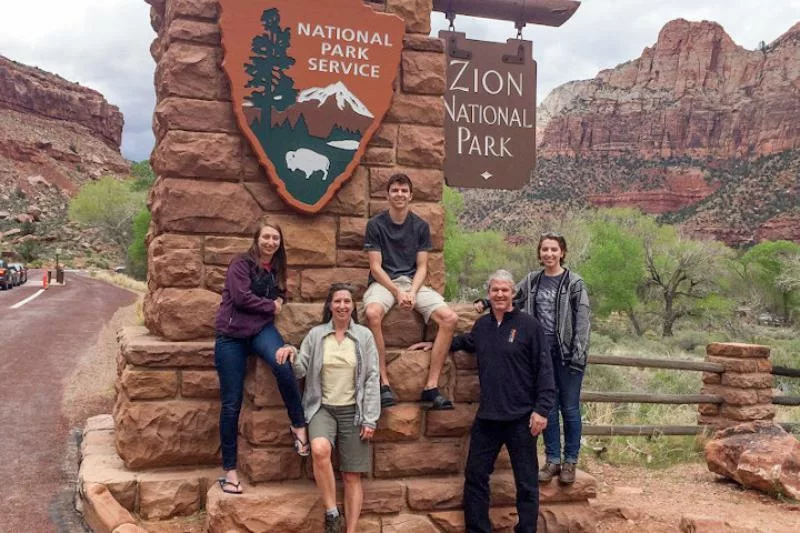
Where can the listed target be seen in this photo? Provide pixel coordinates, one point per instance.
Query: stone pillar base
(116, 499)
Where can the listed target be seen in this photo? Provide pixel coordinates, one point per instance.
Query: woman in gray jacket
(341, 401)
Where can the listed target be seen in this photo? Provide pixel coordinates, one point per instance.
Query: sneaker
(548, 472)
(387, 396)
(567, 475)
(333, 524)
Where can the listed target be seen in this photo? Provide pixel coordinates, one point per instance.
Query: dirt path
(635, 500)
(41, 342)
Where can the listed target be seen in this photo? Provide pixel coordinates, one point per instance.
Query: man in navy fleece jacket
(517, 392)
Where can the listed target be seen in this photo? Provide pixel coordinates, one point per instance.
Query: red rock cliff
(33, 91)
(695, 93)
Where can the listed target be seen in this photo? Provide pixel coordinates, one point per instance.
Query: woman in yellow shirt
(341, 401)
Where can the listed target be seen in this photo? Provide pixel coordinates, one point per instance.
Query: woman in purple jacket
(255, 290)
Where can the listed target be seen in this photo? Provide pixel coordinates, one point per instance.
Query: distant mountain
(698, 130)
(55, 136)
(324, 108)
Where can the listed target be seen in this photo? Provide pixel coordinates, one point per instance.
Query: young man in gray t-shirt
(397, 242)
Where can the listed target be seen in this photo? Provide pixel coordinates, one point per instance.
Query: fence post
(745, 385)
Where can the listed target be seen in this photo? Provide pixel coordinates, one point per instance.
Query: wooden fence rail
(636, 397)
(786, 371)
(647, 362)
(675, 399)
(783, 399)
(592, 430)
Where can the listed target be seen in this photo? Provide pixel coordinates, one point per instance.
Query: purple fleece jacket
(241, 313)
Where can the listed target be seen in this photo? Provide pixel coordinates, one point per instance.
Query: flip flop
(237, 487)
(301, 447)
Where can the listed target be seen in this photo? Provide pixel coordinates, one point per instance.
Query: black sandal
(301, 447)
(433, 399)
(224, 482)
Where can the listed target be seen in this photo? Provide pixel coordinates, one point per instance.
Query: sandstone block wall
(210, 190)
(167, 408)
(209, 195)
(745, 385)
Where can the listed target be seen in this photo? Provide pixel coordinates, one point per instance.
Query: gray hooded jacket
(572, 314)
(308, 364)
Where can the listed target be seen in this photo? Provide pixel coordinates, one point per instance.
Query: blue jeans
(568, 404)
(486, 439)
(230, 358)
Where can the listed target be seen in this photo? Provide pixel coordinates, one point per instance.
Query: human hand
(537, 424)
(478, 306)
(285, 353)
(424, 346)
(405, 300)
(278, 305)
(367, 433)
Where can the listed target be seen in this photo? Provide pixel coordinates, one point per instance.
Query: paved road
(38, 343)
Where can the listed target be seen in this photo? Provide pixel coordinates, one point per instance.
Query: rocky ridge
(55, 135)
(698, 130)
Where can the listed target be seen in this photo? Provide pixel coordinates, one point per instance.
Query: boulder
(758, 455)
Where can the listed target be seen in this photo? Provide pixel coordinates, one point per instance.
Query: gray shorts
(427, 301)
(335, 423)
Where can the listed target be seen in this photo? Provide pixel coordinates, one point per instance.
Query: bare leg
(375, 314)
(446, 319)
(323, 471)
(353, 499)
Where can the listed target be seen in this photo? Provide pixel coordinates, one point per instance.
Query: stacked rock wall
(211, 190)
(745, 385)
(208, 197)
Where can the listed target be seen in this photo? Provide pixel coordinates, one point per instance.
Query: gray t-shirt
(546, 302)
(398, 243)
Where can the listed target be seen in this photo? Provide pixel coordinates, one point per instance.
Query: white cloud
(105, 44)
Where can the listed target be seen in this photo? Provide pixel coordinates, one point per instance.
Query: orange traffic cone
(44, 280)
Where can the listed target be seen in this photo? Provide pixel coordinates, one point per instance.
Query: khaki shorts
(428, 300)
(335, 423)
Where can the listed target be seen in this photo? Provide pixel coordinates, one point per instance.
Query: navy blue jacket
(514, 366)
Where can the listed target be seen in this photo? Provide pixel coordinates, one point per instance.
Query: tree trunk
(637, 328)
(669, 317)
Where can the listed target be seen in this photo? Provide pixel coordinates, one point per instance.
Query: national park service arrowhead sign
(310, 82)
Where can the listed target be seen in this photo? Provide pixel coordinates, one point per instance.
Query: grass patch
(120, 280)
(663, 451)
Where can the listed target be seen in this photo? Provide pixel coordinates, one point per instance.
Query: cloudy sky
(104, 44)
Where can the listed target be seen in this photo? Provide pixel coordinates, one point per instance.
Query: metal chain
(451, 16)
(521, 21)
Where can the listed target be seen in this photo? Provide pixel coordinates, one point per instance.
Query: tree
(684, 275)
(137, 251)
(144, 175)
(772, 266)
(108, 205)
(615, 271)
(273, 88)
(469, 257)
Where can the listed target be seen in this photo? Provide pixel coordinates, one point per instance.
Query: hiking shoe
(333, 524)
(567, 475)
(387, 396)
(548, 472)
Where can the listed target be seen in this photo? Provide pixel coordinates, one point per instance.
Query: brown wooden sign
(490, 113)
(310, 83)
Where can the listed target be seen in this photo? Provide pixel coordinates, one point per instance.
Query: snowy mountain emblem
(309, 87)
